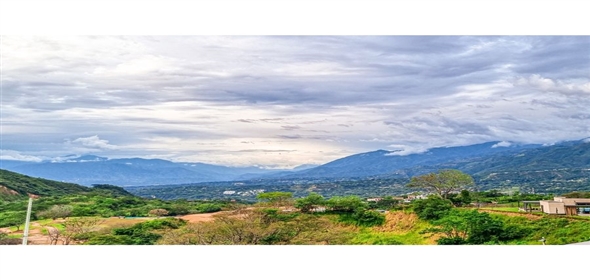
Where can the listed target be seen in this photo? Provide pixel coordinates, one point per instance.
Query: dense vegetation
(552, 182)
(446, 217)
(14, 186)
(101, 204)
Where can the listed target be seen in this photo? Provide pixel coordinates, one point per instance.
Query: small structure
(559, 206)
(530, 206)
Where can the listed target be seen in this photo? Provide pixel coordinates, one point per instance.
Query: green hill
(14, 186)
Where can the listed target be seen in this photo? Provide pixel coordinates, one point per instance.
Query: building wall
(551, 207)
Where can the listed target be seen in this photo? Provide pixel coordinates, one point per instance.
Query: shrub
(432, 208)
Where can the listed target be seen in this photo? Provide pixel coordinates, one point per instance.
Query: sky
(282, 101)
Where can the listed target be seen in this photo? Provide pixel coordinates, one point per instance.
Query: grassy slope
(15, 185)
(400, 228)
(403, 228)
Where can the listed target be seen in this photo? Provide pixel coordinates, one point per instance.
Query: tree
(312, 200)
(442, 183)
(473, 227)
(17, 219)
(461, 199)
(346, 204)
(386, 203)
(158, 212)
(275, 198)
(56, 211)
(78, 226)
(54, 235)
(368, 218)
(432, 208)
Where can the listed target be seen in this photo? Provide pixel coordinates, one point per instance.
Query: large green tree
(442, 183)
(276, 198)
(306, 204)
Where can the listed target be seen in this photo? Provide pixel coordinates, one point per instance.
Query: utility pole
(26, 232)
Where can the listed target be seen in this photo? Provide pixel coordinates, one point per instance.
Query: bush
(158, 212)
(208, 208)
(368, 218)
(451, 241)
(432, 208)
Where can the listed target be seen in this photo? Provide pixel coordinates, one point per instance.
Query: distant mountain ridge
(88, 170)
(557, 169)
(479, 159)
(385, 162)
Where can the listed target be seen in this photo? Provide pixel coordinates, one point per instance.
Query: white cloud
(94, 142)
(538, 82)
(404, 150)
(16, 155)
(502, 144)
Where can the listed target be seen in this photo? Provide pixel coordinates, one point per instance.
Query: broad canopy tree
(276, 198)
(442, 183)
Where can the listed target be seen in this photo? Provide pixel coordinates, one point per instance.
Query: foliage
(13, 218)
(145, 233)
(158, 212)
(431, 208)
(364, 218)
(93, 204)
(386, 202)
(308, 203)
(474, 227)
(264, 227)
(56, 211)
(110, 190)
(577, 195)
(442, 183)
(346, 204)
(76, 228)
(275, 198)
(22, 185)
(461, 199)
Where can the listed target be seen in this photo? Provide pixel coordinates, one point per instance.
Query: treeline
(100, 203)
(471, 226)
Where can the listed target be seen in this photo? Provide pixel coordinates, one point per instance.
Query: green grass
(412, 236)
(504, 209)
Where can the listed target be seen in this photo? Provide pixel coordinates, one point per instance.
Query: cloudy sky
(281, 101)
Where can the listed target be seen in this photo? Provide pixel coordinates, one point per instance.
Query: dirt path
(36, 237)
(196, 218)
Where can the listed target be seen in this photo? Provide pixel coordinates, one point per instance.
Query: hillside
(388, 162)
(558, 168)
(14, 185)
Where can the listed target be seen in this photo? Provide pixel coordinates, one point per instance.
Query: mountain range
(490, 159)
(89, 170)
